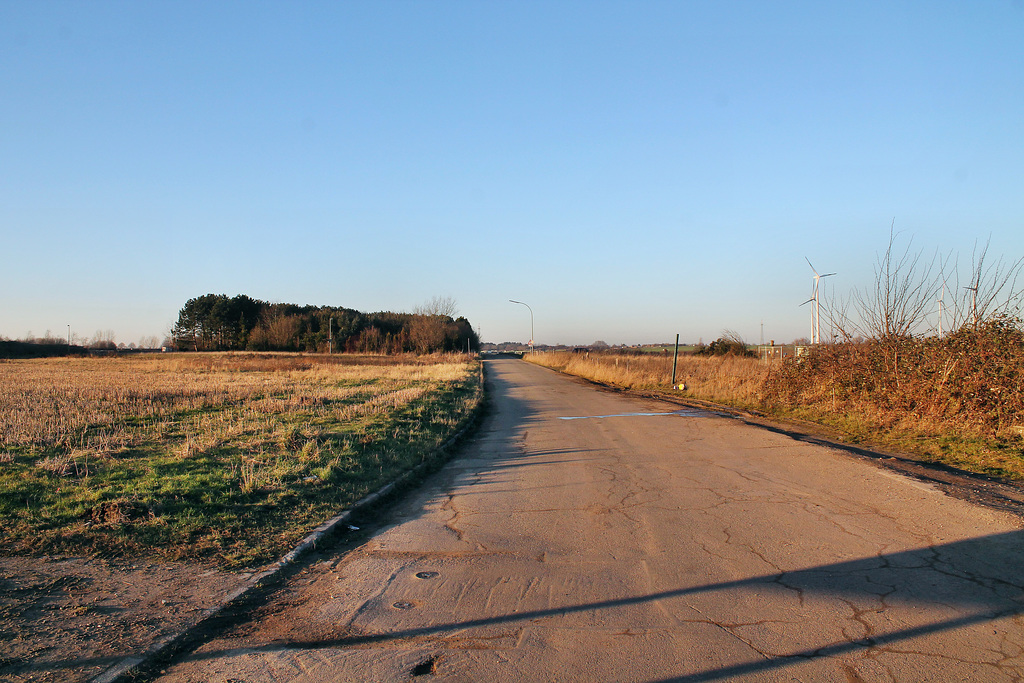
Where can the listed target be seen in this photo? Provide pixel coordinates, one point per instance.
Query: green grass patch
(226, 462)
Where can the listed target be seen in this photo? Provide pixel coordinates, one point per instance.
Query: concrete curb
(130, 668)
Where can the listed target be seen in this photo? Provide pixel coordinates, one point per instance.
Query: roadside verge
(141, 665)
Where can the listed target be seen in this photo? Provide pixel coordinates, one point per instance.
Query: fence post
(675, 359)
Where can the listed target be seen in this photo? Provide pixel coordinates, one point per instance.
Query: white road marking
(681, 413)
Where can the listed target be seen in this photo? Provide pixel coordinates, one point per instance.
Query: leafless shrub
(444, 306)
(967, 381)
(840, 321)
(992, 290)
(904, 291)
(912, 296)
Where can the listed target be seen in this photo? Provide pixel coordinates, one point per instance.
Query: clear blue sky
(632, 170)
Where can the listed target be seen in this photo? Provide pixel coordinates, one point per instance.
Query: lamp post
(531, 320)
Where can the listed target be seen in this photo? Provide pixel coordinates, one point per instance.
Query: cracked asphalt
(640, 542)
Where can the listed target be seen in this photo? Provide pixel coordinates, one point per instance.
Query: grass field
(228, 458)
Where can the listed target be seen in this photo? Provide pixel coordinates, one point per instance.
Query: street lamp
(531, 320)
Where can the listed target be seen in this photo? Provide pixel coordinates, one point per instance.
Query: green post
(675, 359)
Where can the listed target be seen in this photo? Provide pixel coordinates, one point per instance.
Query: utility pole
(330, 336)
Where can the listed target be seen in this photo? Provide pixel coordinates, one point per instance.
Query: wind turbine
(941, 297)
(974, 304)
(816, 310)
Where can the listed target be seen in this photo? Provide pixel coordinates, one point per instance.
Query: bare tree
(439, 305)
(993, 289)
(103, 339)
(840, 322)
(433, 324)
(904, 292)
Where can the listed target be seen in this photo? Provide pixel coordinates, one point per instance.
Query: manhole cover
(426, 575)
(401, 604)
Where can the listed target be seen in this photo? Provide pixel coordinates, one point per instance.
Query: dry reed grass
(734, 380)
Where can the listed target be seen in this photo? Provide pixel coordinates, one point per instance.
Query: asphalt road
(587, 536)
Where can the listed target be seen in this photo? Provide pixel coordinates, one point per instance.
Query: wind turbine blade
(810, 264)
(827, 274)
(808, 301)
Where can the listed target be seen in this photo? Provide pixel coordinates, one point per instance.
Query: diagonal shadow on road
(978, 578)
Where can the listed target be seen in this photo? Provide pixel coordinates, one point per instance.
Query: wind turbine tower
(941, 297)
(974, 304)
(816, 308)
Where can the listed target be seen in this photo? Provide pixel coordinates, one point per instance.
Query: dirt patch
(68, 619)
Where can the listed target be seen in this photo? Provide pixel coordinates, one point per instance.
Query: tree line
(216, 322)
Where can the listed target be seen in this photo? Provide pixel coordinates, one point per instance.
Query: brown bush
(973, 378)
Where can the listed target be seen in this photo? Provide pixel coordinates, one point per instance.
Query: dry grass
(212, 444)
(104, 405)
(733, 380)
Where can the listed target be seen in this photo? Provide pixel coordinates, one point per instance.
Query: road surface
(586, 536)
